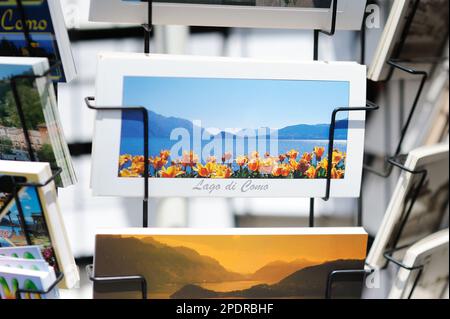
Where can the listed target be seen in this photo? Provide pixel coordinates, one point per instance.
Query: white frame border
(113, 67)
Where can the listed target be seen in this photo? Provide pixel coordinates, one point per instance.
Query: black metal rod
(316, 45)
(424, 174)
(21, 114)
(148, 27)
(117, 279)
(336, 273)
(416, 281)
(311, 212)
(89, 102)
(370, 106)
(331, 32)
(424, 76)
(59, 278)
(21, 214)
(18, 101)
(403, 37)
(363, 34)
(396, 64)
(39, 185)
(26, 30)
(389, 257)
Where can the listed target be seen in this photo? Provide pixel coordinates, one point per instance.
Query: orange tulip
(294, 164)
(318, 151)
(307, 157)
(138, 159)
(311, 172)
(164, 154)
(277, 171)
(137, 168)
(159, 162)
(337, 157)
(285, 170)
(205, 171)
(254, 165)
(323, 164)
(292, 154)
(222, 171)
(337, 173)
(127, 173)
(171, 172)
(242, 160)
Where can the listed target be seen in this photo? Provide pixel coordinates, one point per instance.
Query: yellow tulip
(171, 172)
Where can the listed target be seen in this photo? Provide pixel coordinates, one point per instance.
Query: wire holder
(12, 185)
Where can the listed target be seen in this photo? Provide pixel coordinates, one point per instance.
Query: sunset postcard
(189, 266)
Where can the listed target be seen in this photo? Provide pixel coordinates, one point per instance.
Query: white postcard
(290, 14)
(227, 127)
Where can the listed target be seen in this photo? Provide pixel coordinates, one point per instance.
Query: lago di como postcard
(228, 127)
(257, 263)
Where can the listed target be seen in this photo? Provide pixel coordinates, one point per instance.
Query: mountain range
(173, 270)
(309, 282)
(162, 126)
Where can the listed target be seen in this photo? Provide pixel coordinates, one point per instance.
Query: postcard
(291, 14)
(44, 132)
(428, 211)
(229, 263)
(35, 219)
(429, 282)
(419, 43)
(12, 279)
(227, 127)
(31, 264)
(48, 35)
(25, 252)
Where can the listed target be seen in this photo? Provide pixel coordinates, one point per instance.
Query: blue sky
(30, 204)
(238, 103)
(7, 70)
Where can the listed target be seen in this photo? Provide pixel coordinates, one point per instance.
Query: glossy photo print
(233, 128)
(29, 228)
(227, 127)
(261, 266)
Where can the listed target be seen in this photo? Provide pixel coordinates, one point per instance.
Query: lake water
(134, 146)
(229, 286)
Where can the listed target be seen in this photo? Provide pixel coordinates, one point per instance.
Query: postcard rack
(12, 185)
(349, 275)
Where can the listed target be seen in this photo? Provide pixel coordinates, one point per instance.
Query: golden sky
(246, 254)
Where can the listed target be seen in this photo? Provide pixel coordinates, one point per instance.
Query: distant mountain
(162, 126)
(309, 282)
(277, 270)
(158, 263)
(314, 132)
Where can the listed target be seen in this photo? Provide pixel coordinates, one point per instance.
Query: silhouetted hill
(158, 263)
(277, 270)
(309, 282)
